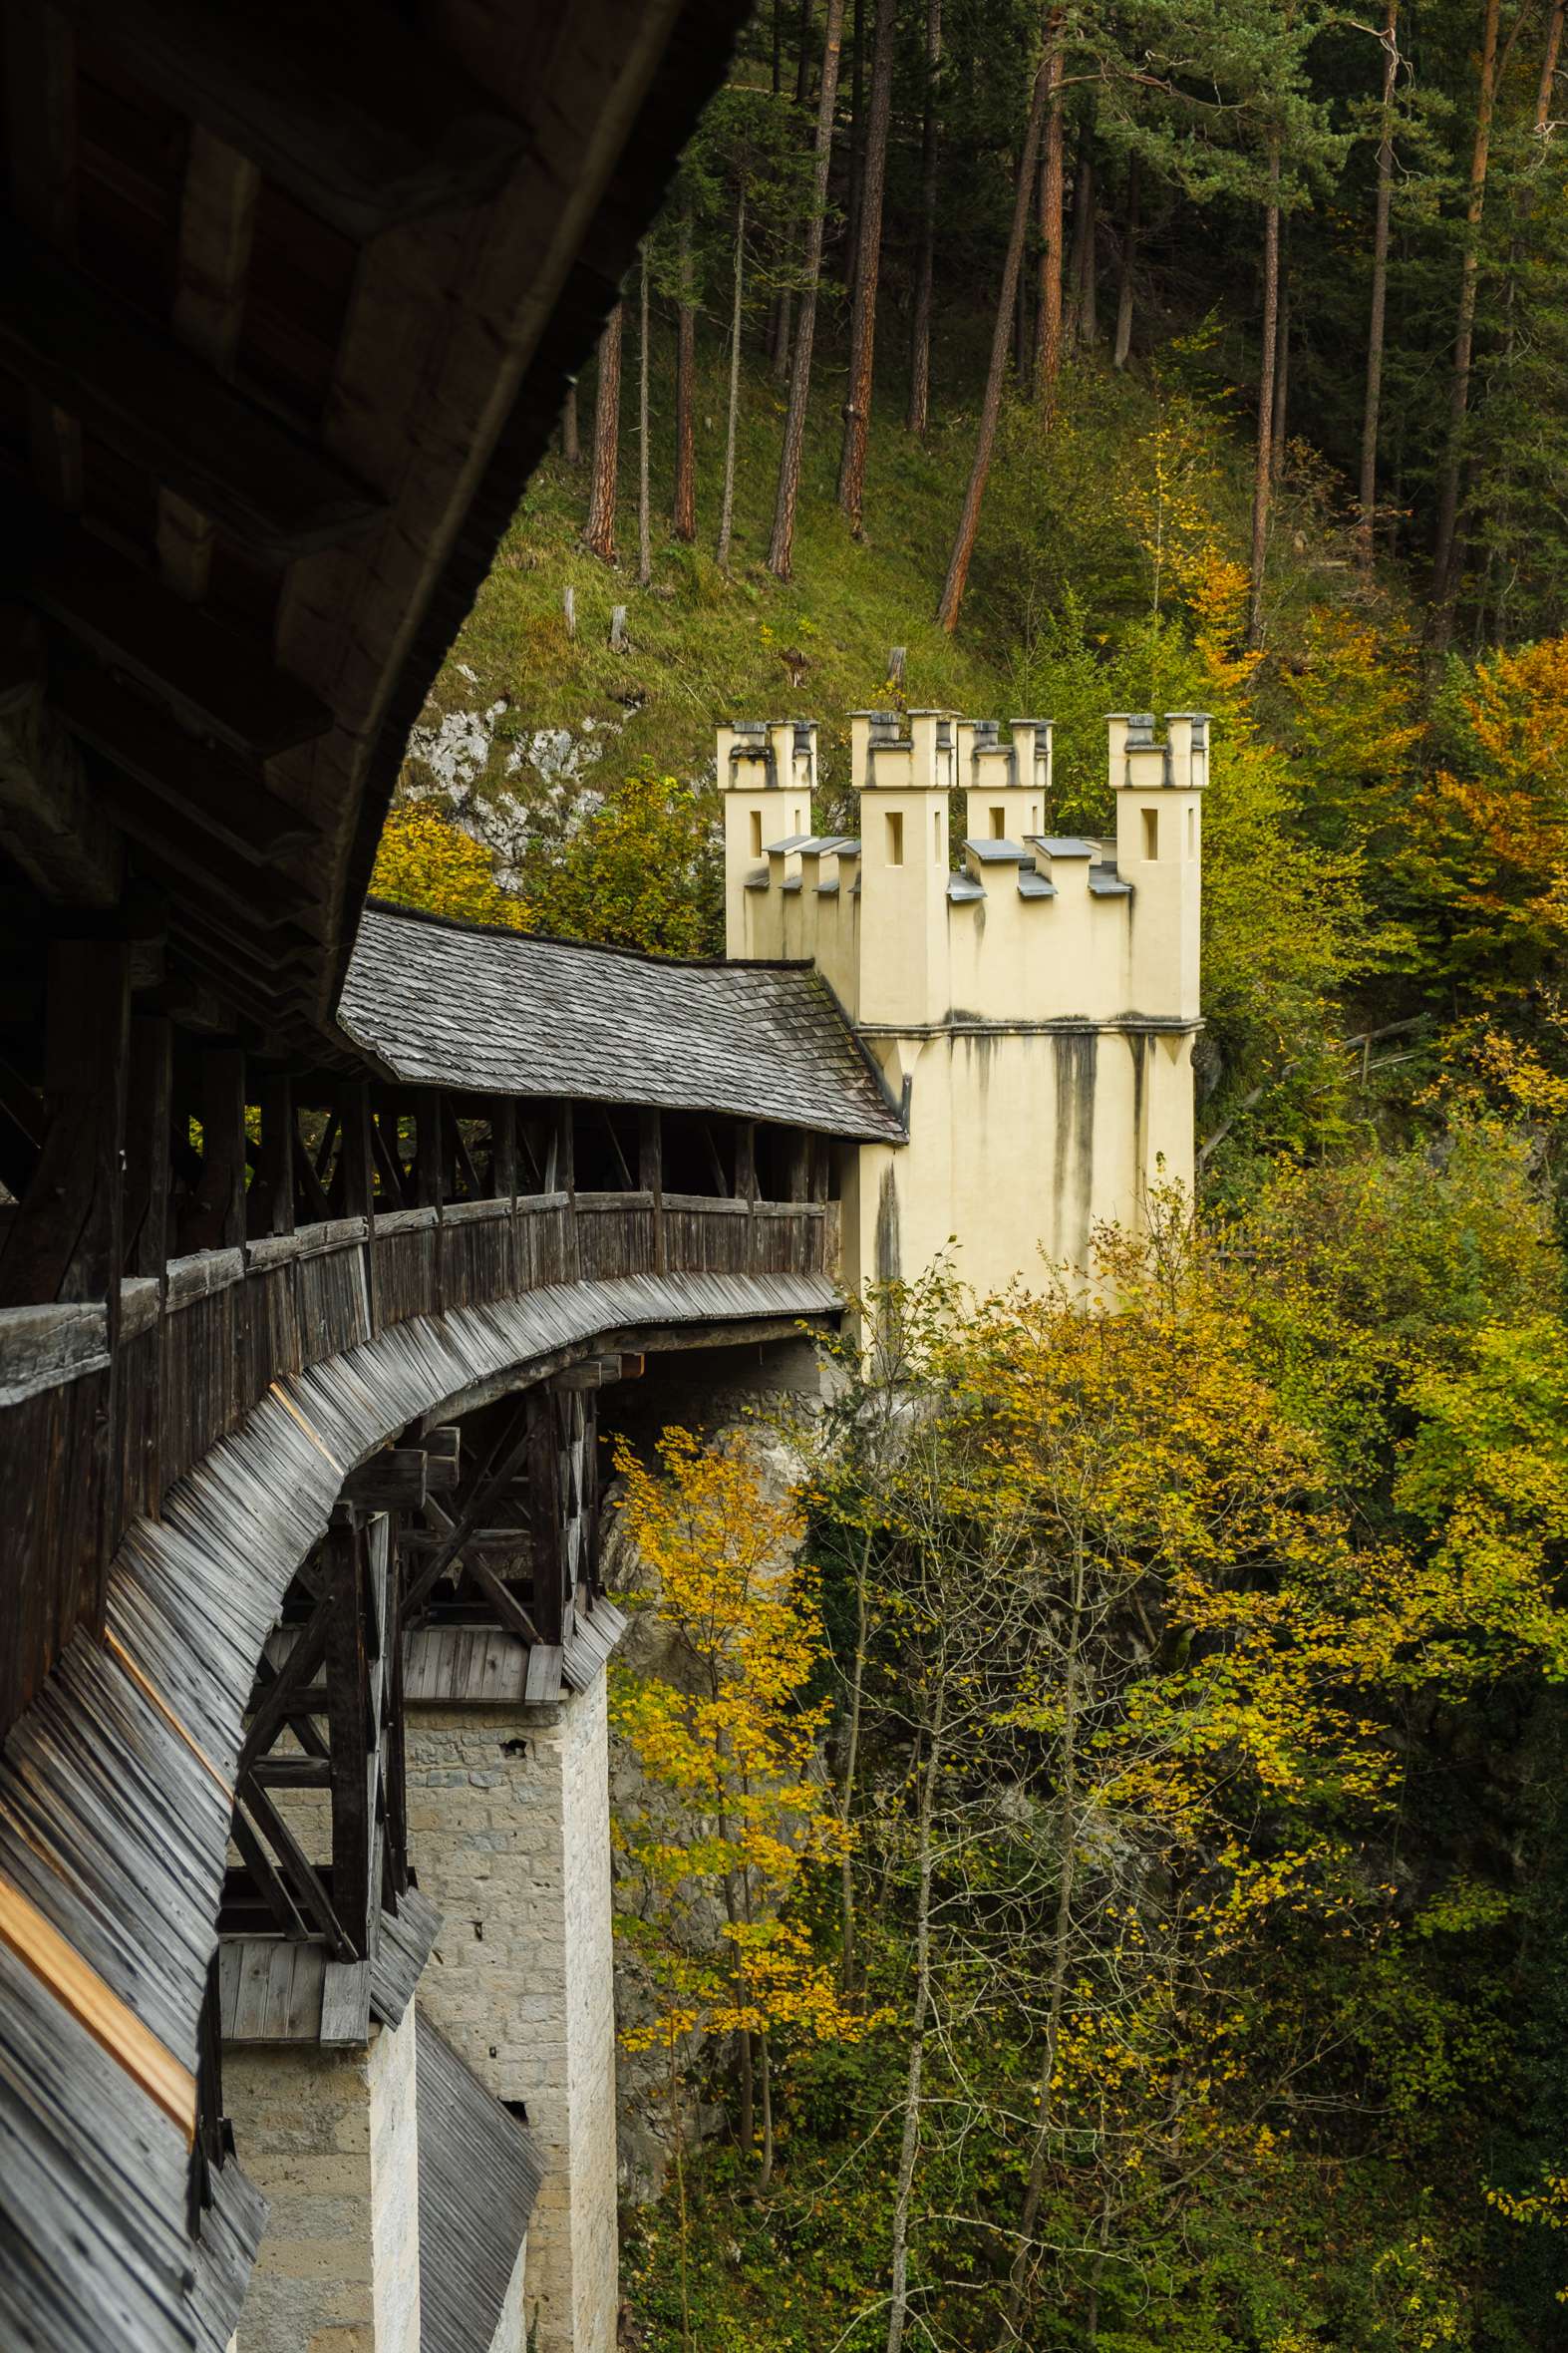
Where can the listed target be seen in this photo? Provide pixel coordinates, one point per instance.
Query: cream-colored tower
(904, 781)
(1033, 1011)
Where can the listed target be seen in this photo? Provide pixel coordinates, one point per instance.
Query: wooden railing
(91, 1434)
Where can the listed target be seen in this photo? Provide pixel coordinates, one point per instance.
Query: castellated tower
(1033, 1011)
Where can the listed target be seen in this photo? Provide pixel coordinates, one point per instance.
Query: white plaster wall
(1021, 1143)
(511, 2330)
(395, 2185)
(509, 1821)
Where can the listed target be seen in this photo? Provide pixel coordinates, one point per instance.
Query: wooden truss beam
(165, 409)
(352, 109)
(216, 681)
(49, 820)
(208, 787)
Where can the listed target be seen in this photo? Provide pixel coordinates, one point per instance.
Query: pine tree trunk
(571, 444)
(682, 513)
(919, 413)
(1048, 308)
(1130, 248)
(857, 137)
(868, 266)
(1543, 92)
(731, 422)
(1377, 313)
(1444, 568)
(1087, 279)
(1083, 197)
(1262, 473)
(643, 517)
(782, 337)
(803, 71)
(991, 408)
(781, 544)
(600, 533)
(1280, 379)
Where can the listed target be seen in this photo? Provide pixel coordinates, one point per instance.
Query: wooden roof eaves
(679, 80)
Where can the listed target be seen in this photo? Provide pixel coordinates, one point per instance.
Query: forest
(1100, 1879)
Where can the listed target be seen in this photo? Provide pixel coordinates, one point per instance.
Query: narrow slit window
(1033, 817)
(936, 835)
(1152, 833)
(757, 832)
(1192, 833)
(998, 823)
(895, 837)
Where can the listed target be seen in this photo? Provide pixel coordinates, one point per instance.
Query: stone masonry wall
(508, 1826)
(328, 2136)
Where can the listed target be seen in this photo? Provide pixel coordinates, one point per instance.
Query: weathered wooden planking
(110, 1823)
(480, 2174)
(223, 2255)
(408, 1938)
(93, 2251)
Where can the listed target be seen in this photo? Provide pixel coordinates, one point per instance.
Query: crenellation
(1036, 936)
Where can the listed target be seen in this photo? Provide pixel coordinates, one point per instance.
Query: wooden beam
(216, 681)
(356, 113)
(147, 1146)
(270, 1203)
(64, 1240)
(545, 1514)
(215, 1218)
(165, 409)
(503, 1148)
(355, 1887)
(264, 902)
(444, 1450)
(50, 820)
(40, 82)
(429, 1113)
(392, 1481)
(222, 797)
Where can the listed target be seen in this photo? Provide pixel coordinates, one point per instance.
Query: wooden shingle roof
(480, 2174)
(504, 1013)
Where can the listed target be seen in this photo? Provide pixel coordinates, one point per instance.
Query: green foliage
(640, 873)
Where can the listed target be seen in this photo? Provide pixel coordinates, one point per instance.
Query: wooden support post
(504, 1148)
(148, 1116)
(270, 1204)
(65, 1241)
(215, 1218)
(545, 1514)
(353, 1887)
(429, 1111)
(357, 1179)
(650, 1178)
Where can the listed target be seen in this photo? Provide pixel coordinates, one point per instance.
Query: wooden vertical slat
(270, 1204)
(148, 1114)
(347, 1673)
(216, 1217)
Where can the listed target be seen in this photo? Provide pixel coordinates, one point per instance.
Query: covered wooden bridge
(305, 1318)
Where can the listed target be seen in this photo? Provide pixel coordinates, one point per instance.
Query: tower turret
(903, 780)
(766, 775)
(1158, 784)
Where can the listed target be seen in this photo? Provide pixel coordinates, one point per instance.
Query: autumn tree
(424, 859)
(730, 1807)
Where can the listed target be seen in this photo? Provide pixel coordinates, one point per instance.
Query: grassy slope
(705, 646)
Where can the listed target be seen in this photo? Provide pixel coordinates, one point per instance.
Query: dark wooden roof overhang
(292, 300)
